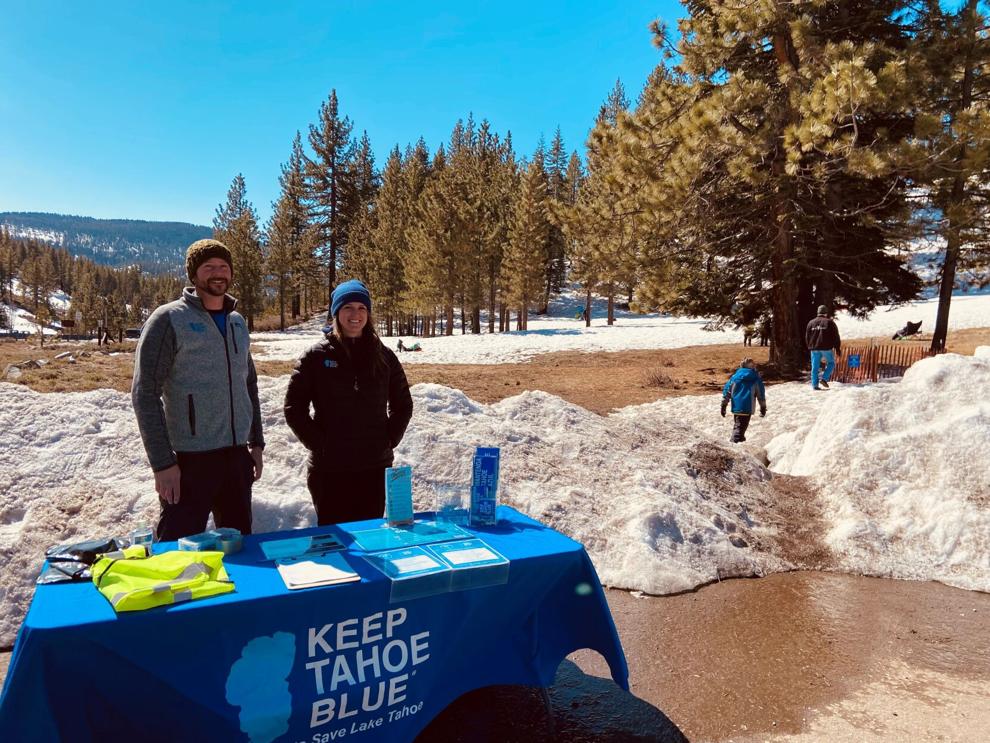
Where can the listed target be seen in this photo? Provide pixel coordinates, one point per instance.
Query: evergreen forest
(782, 155)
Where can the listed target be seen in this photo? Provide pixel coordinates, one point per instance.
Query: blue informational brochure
(484, 486)
(407, 563)
(419, 532)
(398, 495)
(467, 553)
(275, 549)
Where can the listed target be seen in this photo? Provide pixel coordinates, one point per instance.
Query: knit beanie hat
(349, 291)
(822, 310)
(201, 251)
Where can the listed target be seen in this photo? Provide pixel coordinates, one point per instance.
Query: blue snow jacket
(740, 390)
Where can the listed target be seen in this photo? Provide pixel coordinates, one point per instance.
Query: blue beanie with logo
(349, 291)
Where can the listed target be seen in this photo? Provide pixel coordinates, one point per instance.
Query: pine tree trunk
(611, 306)
(491, 306)
(587, 309)
(953, 239)
(787, 349)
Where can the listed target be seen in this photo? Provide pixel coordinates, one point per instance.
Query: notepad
(316, 570)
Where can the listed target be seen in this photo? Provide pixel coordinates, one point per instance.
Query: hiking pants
(740, 422)
(347, 496)
(816, 365)
(216, 481)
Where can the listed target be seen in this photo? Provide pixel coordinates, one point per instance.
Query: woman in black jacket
(361, 405)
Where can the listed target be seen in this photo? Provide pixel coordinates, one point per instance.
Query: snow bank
(904, 473)
(661, 505)
(659, 498)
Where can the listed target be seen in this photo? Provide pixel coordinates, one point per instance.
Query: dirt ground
(599, 382)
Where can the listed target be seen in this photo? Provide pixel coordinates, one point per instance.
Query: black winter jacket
(822, 335)
(359, 416)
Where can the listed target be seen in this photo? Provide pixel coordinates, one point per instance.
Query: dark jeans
(347, 496)
(218, 481)
(739, 426)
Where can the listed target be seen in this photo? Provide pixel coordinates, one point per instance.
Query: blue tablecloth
(267, 664)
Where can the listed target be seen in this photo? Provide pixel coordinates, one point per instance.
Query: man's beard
(210, 288)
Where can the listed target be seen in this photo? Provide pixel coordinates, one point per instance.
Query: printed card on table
(398, 495)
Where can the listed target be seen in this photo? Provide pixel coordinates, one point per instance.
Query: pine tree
(290, 256)
(330, 183)
(954, 132)
(556, 165)
(524, 263)
(782, 167)
(433, 268)
(236, 226)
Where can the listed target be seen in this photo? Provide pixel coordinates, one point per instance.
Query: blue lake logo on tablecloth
(265, 707)
(355, 675)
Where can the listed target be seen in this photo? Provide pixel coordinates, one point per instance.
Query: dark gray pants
(347, 496)
(739, 426)
(211, 481)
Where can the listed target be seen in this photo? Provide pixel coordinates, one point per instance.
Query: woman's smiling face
(352, 318)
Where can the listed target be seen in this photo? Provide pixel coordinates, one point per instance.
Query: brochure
(297, 546)
(398, 495)
(473, 563)
(468, 553)
(484, 486)
(316, 570)
(418, 532)
(406, 563)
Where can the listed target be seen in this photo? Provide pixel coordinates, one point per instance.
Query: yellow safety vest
(135, 582)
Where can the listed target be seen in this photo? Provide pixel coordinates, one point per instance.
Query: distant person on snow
(195, 394)
(822, 339)
(912, 328)
(361, 406)
(743, 390)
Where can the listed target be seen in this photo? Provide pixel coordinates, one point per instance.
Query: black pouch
(70, 562)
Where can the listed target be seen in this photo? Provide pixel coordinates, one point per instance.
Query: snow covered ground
(659, 498)
(560, 331)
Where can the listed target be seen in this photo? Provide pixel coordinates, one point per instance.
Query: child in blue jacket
(744, 389)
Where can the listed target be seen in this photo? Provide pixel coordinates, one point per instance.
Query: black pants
(739, 426)
(347, 496)
(218, 481)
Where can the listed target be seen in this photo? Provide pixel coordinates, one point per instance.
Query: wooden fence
(877, 361)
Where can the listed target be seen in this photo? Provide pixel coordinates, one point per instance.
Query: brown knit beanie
(201, 251)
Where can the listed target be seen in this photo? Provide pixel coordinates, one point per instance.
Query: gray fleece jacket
(194, 390)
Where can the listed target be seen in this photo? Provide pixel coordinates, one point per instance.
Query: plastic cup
(453, 503)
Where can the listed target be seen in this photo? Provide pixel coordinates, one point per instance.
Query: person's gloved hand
(725, 404)
(763, 412)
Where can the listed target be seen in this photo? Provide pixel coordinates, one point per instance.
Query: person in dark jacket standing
(361, 407)
(822, 339)
(195, 394)
(744, 389)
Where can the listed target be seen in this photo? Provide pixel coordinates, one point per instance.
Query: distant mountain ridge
(158, 247)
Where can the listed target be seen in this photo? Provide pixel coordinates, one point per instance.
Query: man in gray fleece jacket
(195, 394)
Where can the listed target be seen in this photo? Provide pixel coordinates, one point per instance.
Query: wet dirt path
(808, 653)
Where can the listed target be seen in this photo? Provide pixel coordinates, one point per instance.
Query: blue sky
(148, 110)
